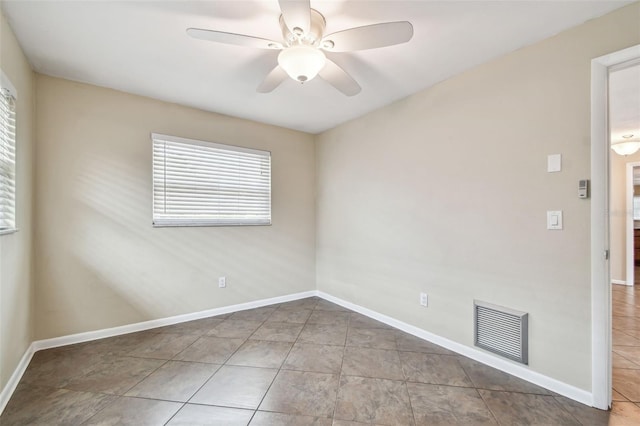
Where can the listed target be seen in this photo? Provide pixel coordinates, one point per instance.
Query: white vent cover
(502, 331)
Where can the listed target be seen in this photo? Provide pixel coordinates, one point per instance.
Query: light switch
(554, 219)
(554, 163)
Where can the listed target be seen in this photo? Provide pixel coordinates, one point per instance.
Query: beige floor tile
(296, 316)
(205, 415)
(214, 350)
(357, 320)
(486, 377)
(318, 359)
(407, 342)
(447, 405)
(627, 382)
(114, 375)
(372, 338)
(434, 369)
(587, 416)
(277, 332)
(312, 357)
(624, 414)
(623, 338)
(263, 418)
(617, 396)
(373, 401)
(511, 408)
(329, 317)
(174, 381)
(37, 405)
(327, 334)
(236, 387)
(621, 362)
(162, 346)
(235, 329)
(126, 411)
(302, 392)
(375, 363)
(632, 353)
(261, 353)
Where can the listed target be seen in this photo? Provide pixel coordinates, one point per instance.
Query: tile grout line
(227, 359)
(340, 374)
(279, 368)
(406, 379)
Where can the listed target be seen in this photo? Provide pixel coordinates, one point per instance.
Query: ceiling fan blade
(235, 39)
(272, 80)
(296, 14)
(369, 37)
(338, 78)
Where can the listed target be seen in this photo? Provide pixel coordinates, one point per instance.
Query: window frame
(211, 221)
(7, 88)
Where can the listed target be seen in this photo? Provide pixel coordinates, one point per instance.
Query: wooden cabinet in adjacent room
(636, 247)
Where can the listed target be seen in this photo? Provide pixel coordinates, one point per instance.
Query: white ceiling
(141, 47)
(624, 102)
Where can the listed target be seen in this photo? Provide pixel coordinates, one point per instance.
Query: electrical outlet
(222, 282)
(424, 299)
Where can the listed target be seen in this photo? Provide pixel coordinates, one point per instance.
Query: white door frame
(630, 278)
(600, 274)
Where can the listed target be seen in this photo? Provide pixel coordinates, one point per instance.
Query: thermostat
(583, 188)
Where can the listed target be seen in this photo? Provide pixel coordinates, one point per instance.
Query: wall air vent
(502, 331)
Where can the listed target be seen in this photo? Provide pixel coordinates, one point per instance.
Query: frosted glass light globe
(302, 62)
(626, 147)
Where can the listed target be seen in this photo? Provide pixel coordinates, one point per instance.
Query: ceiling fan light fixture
(302, 62)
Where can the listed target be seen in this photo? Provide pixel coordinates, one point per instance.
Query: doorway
(624, 207)
(601, 377)
(632, 228)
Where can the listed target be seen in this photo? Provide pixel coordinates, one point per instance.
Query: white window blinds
(7, 161)
(199, 183)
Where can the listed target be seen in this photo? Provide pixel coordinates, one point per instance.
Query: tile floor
(626, 344)
(307, 362)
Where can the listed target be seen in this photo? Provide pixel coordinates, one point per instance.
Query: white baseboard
(55, 342)
(147, 325)
(522, 372)
(12, 384)
(620, 282)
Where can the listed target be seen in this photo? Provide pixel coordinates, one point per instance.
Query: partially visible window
(198, 183)
(7, 156)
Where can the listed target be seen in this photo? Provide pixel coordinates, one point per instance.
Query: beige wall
(443, 192)
(101, 264)
(447, 191)
(618, 212)
(16, 283)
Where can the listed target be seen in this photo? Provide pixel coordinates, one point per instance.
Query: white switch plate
(554, 163)
(222, 282)
(554, 219)
(424, 299)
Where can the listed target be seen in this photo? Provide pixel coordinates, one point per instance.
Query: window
(7, 156)
(199, 183)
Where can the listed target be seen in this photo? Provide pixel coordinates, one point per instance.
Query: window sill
(8, 231)
(204, 224)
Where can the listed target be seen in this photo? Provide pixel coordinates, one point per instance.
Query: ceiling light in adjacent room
(627, 146)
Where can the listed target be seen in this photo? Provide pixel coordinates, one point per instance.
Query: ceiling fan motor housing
(296, 36)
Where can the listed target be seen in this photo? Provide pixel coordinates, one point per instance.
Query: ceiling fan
(304, 43)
